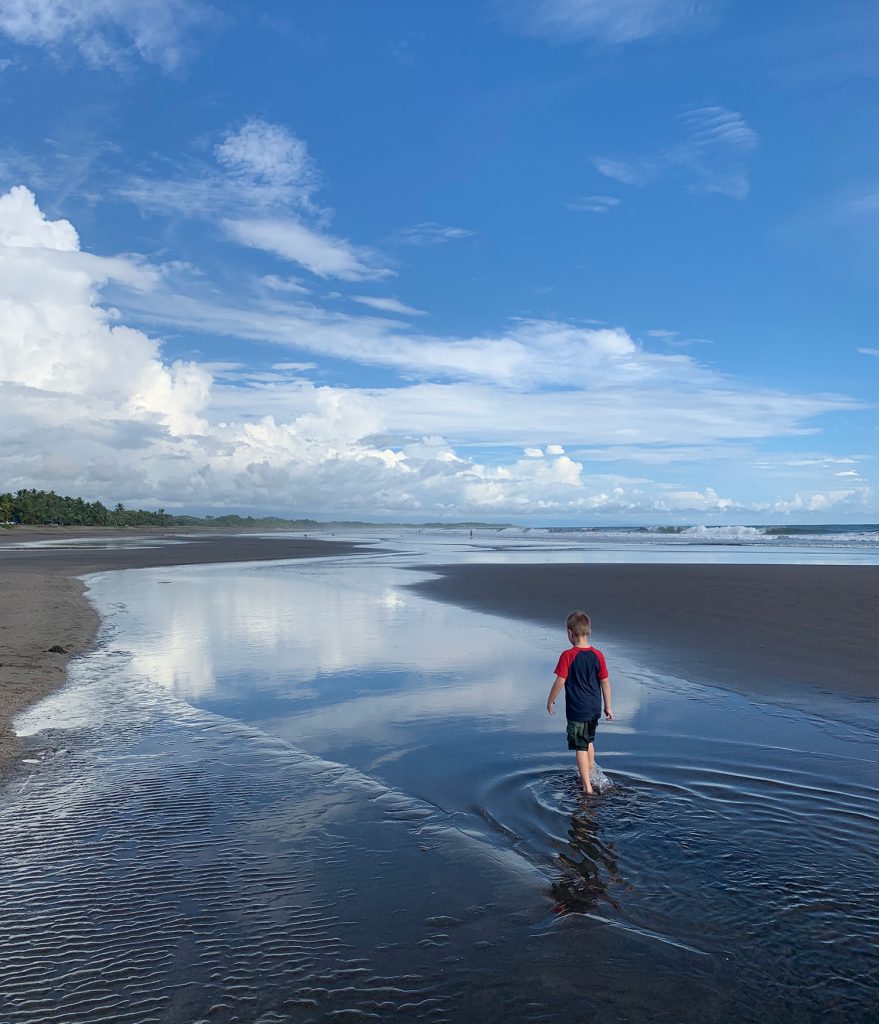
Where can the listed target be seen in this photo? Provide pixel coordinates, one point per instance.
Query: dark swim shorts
(581, 734)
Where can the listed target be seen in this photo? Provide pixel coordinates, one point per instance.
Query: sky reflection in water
(736, 833)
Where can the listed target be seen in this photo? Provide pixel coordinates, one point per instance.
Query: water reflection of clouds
(343, 630)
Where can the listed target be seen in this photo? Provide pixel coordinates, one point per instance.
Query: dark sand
(774, 630)
(42, 604)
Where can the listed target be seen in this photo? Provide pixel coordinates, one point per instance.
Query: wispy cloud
(263, 153)
(713, 155)
(387, 305)
(107, 33)
(261, 166)
(619, 21)
(284, 284)
(429, 233)
(662, 334)
(869, 351)
(322, 254)
(261, 192)
(594, 204)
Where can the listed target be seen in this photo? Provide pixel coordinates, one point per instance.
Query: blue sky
(561, 261)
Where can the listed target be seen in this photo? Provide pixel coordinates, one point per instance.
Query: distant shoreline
(43, 604)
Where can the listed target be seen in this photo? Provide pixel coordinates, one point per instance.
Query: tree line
(31, 507)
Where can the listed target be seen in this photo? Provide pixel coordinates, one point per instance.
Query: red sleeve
(602, 665)
(564, 663)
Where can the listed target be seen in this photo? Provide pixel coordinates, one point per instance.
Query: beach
(329, 785)
(45, 619)
(763, 630)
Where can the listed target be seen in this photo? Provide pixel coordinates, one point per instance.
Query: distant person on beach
(582, 673)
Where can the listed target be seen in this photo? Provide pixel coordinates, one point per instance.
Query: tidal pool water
(299, 791)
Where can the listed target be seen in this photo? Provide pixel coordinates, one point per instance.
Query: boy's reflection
(588, 866)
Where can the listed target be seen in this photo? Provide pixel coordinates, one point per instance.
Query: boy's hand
(549, 706)
(608, 714)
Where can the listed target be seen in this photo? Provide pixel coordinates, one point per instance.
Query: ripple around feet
(729, 852)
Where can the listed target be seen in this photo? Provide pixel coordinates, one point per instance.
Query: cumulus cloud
(623, 21)
(108, 32)
(63, 362)
(712, 156)
(90, 405)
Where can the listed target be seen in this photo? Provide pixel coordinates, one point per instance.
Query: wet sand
(45, 619)
(765, 630)
(773, 630)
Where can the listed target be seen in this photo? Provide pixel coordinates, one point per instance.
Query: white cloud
(429, 233)
(620, 21)
(866, 202)
(825, 501)
(261, 166)
(107, 32)
(594, 204)
(387, 305)
(663, 335)
(266, 173)
(62, 353)
(262, 152)
(23, 224)
(296, 367)
(89, 405)
(320, 253)
(284, 284)
(712, 156)
(869, 351)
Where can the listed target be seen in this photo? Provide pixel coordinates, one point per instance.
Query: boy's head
(579, 625)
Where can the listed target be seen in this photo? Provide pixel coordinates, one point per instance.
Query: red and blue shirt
(582, 669)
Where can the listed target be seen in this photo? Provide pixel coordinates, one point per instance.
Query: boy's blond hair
(579, 624)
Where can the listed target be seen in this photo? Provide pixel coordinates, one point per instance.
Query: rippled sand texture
(195, 852)
(173, 867)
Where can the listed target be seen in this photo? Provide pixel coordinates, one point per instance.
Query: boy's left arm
(605, 694)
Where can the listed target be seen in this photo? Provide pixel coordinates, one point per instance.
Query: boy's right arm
(557, 687)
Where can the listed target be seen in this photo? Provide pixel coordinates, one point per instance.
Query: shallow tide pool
(287, 791)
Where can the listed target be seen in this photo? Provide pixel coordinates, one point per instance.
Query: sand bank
(760, 629)
(45, 620)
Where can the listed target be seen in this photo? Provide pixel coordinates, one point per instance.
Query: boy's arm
(557, 687)
(605, 693)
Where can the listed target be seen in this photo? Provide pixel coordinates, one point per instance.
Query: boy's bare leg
(591, 758)
(584, 766)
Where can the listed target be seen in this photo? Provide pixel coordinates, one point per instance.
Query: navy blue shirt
(582, 669)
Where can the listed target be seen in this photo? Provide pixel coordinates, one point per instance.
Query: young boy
(582, 672)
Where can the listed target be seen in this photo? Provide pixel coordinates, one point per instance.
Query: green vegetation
(244, 522)
(46, 508)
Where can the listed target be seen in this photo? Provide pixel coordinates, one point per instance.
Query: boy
(582, 672)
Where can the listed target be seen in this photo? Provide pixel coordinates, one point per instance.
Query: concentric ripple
(720, 854)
